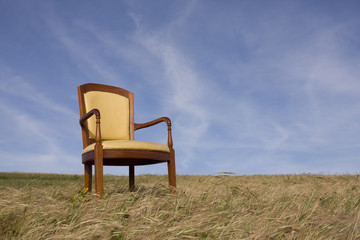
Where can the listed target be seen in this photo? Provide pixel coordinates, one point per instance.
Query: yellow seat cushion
(129, 145)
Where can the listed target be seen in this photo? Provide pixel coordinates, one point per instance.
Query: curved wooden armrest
(89, 114)
(97, 115)
(151, 123)
(138, 126)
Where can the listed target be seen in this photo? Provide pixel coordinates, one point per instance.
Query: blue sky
(252, 87)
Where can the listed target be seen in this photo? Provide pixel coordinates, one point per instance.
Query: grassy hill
(50, 206)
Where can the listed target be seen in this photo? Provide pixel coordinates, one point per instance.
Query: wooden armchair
(112, 142)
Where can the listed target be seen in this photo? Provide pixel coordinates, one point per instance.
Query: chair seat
(129, 145)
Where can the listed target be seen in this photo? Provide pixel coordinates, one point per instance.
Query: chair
(112, 142)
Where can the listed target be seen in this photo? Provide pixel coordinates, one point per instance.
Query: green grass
(50, 206)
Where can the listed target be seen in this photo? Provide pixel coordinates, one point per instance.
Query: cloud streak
(183, 90)
(28, 136)
(301, 78)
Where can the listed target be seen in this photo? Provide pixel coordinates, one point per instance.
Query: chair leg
(172, 171)
(99, 184)
(88, 176)
(131, 178)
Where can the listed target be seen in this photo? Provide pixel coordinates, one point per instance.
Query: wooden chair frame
(131, 158)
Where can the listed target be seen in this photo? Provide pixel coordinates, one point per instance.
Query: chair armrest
(97, 115)
(89, 114)
(138, 126)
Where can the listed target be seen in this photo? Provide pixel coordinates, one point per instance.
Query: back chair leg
(88, 176)
(131, 178)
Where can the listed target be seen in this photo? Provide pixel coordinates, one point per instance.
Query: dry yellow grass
(44, 206)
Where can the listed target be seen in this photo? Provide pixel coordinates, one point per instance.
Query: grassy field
(48, 206)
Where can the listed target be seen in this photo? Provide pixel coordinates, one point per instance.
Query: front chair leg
(88, 177)
(172, 171)
(99, 184)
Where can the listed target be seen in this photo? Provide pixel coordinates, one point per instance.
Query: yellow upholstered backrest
(114, 112)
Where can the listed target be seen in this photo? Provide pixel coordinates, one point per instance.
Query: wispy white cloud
(183, 91)
(87, 55)
(15, 85)
(34, 144)
(31, 138)
(303, 75)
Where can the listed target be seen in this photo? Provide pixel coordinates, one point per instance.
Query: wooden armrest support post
(138, 126)
(97, 115)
